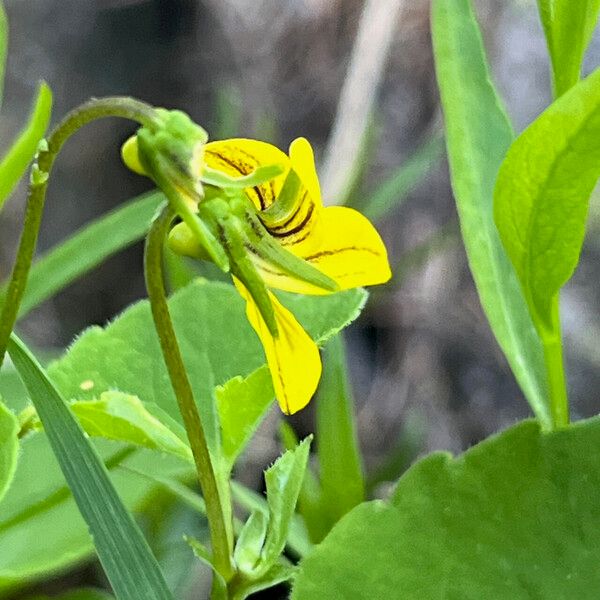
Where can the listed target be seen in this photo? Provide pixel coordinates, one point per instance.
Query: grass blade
(87, 248)
(15, 162)
(122, 549)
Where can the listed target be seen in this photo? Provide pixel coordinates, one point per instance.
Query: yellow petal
(303, 162)
(238, 157)
(300, 230)
(352, 252)
(293, 357)
(349, 250)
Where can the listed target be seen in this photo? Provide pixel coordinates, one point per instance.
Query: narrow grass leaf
(568, 27)
(18, 157)
(543, 191)
(88, 248)
(127, 560)
(478, 135)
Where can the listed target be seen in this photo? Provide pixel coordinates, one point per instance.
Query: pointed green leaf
(568, 27)
(122, 549)
(283, 481)
(87, 248)
(242, 404)
(9, 447)
(542, 194)
(478, 134)
(15, 162)
(513, 517)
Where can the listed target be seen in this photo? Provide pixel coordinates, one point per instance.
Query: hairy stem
(153, 269)
(127, 108)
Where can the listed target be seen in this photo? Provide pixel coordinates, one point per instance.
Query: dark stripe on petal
(298, 228)
(324, 253)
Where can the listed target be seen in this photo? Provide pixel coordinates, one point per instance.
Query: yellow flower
(338, 241)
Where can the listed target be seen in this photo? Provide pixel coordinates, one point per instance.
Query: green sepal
(243, 268)
(259, 176)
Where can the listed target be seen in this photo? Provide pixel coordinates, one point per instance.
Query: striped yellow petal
(302, 160)
(299, 232)
(293, 357)
(350, 251)
(239, 156)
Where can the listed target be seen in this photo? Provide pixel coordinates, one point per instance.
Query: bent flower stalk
(264, 209)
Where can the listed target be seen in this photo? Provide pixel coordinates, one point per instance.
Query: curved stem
(116, 106)
(153, 270)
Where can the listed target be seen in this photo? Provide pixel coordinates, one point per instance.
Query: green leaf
(568, 27)
(392, 192)
(124, 553)
(218, 344)
(15, 162)
(314, 519)
(216, 341)
(342, 484)
(242, 404)
(124, 418)
(87, 248)
(297, 542)
(9, 447)
(542, 195)
(283, 482)
(3, 47)
(478, 134)
(513, 517)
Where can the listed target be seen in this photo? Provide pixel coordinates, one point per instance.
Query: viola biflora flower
(263, 209)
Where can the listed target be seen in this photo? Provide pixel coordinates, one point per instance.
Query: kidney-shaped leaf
(216, 341)
(513, 517)
(218, 344)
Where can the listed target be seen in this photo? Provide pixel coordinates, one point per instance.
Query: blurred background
(426, 370)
